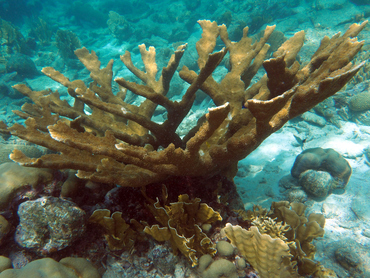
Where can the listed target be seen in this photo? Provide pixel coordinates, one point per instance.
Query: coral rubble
(119, 142)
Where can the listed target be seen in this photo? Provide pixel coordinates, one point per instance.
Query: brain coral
(316, 183)
(327, 160)
(360, 102)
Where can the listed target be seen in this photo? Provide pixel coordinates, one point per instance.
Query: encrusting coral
(120, 143)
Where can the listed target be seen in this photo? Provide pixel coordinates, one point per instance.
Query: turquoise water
(37, 34)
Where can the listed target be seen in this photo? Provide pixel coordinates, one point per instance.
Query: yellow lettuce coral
(181, 223)
(269, 256)
(285, 221)
(118, 233)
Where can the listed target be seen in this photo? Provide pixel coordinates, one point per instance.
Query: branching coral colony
(120, 143)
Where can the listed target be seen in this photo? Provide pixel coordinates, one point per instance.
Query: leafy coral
(67, 42)
(182, 223)
(286, 224)
(118, 234)
(11, 39)
(279, 244)
(41, 30)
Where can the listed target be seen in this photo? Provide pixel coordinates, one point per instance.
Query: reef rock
(49, 224)
(163, 259)
(313, 118)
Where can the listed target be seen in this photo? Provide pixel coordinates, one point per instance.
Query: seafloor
(165, 24)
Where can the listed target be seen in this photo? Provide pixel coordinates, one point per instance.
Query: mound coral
(119, 142)
(360, 102)
(14, 178)
(68, 268)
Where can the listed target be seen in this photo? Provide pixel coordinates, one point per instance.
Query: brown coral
(120, 143)
(67, 267)
(41, 30)
(12, 38)
(182, 223)
(118, 233)
(283, 236)
(270, 257)
(303, 231)
(14, 178)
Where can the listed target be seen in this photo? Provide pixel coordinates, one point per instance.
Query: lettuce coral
(270, 257)
(118, 234)
(285, 234)
(182, 223)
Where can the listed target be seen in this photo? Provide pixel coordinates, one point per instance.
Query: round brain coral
(360, 102)
(327, 160)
